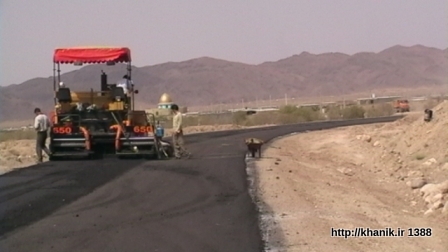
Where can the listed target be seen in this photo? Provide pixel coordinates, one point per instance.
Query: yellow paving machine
(92, 123)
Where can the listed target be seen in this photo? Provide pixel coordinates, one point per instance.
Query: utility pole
(286, 99)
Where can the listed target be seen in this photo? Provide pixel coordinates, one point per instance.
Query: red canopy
(92, 55)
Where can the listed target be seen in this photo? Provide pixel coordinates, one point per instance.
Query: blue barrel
(160, 131)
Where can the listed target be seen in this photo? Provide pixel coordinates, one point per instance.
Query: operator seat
(63, 95)
(117, 92)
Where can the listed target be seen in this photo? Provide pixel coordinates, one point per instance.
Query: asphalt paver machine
(93, 123)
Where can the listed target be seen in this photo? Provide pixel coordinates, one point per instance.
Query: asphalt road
(201, 204)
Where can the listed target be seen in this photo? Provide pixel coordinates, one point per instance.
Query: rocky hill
(414, 151)
(204, 81)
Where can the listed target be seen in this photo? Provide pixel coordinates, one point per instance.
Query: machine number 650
(142, 129)
(62, 130)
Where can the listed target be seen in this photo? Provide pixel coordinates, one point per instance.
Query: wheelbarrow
(254, 145)
(428, 115)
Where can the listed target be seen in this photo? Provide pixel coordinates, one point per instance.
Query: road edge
(266, 224)
(265, 221)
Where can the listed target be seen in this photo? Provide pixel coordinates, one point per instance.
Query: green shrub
(239, 117)
(353, 112)
(288, 109)
(357, 111)
(381, 109)
(334, 113)
(263, 118)
(300, 114)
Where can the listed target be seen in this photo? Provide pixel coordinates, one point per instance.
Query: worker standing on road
(41, 125)
(178, 134)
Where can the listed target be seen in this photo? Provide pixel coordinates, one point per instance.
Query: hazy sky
(249, 31)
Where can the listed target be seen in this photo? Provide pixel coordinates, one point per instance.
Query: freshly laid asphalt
(200, 204)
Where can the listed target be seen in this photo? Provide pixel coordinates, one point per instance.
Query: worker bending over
(178, 134)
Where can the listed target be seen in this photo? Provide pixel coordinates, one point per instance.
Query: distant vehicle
(401, 106)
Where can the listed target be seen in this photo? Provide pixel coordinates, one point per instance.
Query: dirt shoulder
(16, 154)
(345, 178)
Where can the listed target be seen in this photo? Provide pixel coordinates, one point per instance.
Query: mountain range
(205, 80)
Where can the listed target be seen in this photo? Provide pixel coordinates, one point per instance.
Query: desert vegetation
(285, 115)
(288, 114)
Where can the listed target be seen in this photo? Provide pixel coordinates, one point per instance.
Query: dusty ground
(357, 177)
(21, 153)
(16, 154)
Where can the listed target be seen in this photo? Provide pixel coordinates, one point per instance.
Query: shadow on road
(29, 194)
